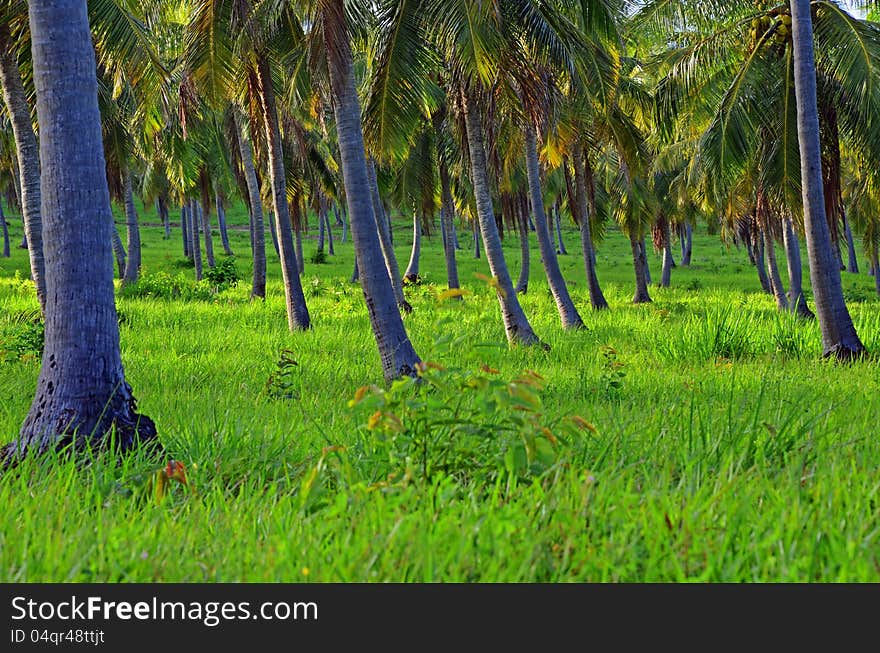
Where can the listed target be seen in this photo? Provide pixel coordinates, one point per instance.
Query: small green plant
(693, 284)
(162, 285)
(280, 384)
(613, 373)
(22, 338)
(319, 257)
(224, 275)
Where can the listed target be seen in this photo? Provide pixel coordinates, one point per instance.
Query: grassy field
(714, 443)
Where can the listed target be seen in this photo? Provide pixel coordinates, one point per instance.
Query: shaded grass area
(724, 448)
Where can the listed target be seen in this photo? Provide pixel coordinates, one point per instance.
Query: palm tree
(82, 393)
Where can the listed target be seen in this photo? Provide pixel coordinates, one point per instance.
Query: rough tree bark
(133, 232)
(258, 229)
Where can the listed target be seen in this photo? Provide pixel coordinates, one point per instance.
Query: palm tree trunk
(561, 245)
(221, 219)
(162, 207)
(258, 230)
(81, 393)
(582, 207)
(476, 237)
(28, 159)
(387, 245)
(644, 260)
(133, 232)
(640, 265)
(412, 268)
(205, 219)
(668, 262)
(568, 314)
(516, 325)
(273, 233)
(184, 229)
(875, 266)
(325, 216)
(687, 234)
(797, 301)
(321, 234)
(522, 231)
(195, 240)
(839, 337)
(5, 228)
(398, 356)
(447, 217)
(118, 249)
(297, 311)
(760, 259)
(853, 266)
(341, 222)
(773, 272)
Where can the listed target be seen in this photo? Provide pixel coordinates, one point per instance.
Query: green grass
(725, 448)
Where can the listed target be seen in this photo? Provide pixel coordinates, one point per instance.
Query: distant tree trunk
(568, 314)
(385, 242)
(668, 262)
(298, 221)
(274, 234)
(640, 264)
(582, 208)
(162, 210)
(321, 228)
(522, 230)
(221, 219)
(516, 324)
(297, 311)
(686, 232)
(773, 272)
(875, 266)
(760, 261)
(398, 356)
(341, 222)
(133, 266)
(797, 301)
(644, 259)
(412, 268)
(27, 159)
(325, 216)
(476, 236)
(255, 205)
(853, 266)
(839, 337)
(355, 273)
(184, 230)
(560, 245)
(81, 393)
(6, 252)
(118, 249)
(205, 219)
(447, 217)
(195, 240)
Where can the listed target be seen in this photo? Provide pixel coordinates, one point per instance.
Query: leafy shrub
(162, 285)
(281, 382)
(475, 427)
(22, 337)
(224, 275)
(319, 257)
(613, 373)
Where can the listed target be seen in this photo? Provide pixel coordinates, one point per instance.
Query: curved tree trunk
(184, 230)
(582, 207)
(398, 356)
(447, 217)
(28, 160)
(258, 230)
(133, 232)
(221, 220)
(568, 314)
(195, 240)
(640, 265)
(385, 242)
(297, 311)
(839, 337)
(522, 231)
(773, 272)
(5, 228)
(412, 268)
(516, 325)
(81, 392)
(796, 299)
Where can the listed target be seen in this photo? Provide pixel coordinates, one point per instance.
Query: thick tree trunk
(133, 233)
(516, 325)
(582, 210)
(773, 272)
(568, 314)
(385, 242)
(447, 217)
(184, 229)
(5, 228)
(398, 356)
(640, 265)
(839, 337)
(27, 159)
(412, 268)
(81, 392)
(195, 239)
(221, 220)
(796, 299)
(853, 266)
(297, 312)
(118, 248)
(258, 230)
(522, 230)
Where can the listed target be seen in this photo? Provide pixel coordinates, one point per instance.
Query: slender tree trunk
(839, 337)
(184, 229)
(522, 230)
(221, 220)
(297, 312)
(668, 262)
(385, 242)
(195, 238)
(561, 245)
(853, 266)
(773, 272)
(321, 228)
(447, 217)
(28, 159)
(325, 216)
(875, 265)
(398, 356)
(118, 248)
(5, 228)
(412, 268)
(797, 301)
(760, 260)
(81, 393)
(273, 233)
(341, 222)
(476, 236)
(258, 230)
(583, 207)
(205, 218)
(162, 208)
(644, 260)
(133, 232)
(687, 234)
(355, 273)
(516, 324)
(640, 265)
(568, 314)
(298, 223)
